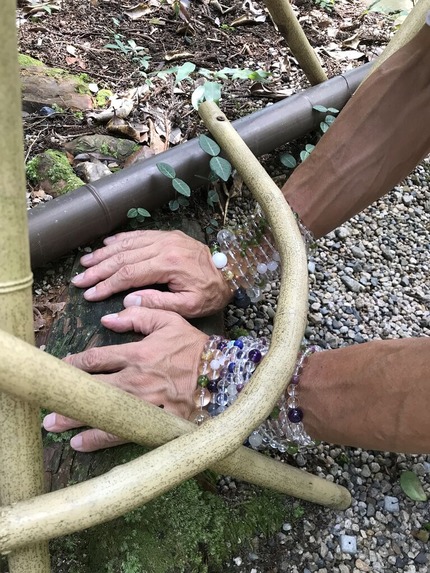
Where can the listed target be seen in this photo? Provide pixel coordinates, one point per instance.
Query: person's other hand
(140, 258)
(161, 368)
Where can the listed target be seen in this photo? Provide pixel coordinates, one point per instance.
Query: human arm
(380, 136)
(374, 395)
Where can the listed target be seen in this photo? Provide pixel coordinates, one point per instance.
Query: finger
(111, 263)
(141, 273)
(101, 359)
(139, 319)
(184, 303)
(54, 422)
(121, 242)
(92, 440)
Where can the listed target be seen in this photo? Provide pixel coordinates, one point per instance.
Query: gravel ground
(369, 279)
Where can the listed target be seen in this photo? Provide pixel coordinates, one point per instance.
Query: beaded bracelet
(225, 368)
(248, 259)
(284, 427)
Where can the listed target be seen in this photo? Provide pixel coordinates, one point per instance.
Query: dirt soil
(75, 36)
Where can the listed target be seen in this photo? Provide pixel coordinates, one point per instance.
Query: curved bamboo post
(21, 474)
(286, 21)
(121, 489)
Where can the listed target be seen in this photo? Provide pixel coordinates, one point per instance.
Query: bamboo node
(13, 286)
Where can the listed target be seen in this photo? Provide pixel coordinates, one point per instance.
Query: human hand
(141, 258)
(161, 368)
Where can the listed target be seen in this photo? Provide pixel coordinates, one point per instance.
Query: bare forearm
(380, 136)
(374, 395)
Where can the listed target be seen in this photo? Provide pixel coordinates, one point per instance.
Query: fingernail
(109, 240)
(78, 278)
(132, 300)
(89, 294)
(76, 442)
(49, 421)
(87, 258)
(110, 316)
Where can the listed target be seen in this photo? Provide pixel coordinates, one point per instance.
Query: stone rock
(351, 284)
(348, 544)
(92, 170)
(52, 172)
(106, 144)
(342, 233)
(391, 504)
(43, 86)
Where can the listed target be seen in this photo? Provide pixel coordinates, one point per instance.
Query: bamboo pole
(21, 473)
(118, 491)
(286, 21)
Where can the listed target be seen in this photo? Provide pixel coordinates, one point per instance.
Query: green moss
(25, 60)
(186, 530)
(101, 97)
(53, 166)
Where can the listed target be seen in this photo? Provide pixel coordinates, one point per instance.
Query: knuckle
(127, 243)
(91, 359)
(127, 272)
(118, 259)
(173, 258)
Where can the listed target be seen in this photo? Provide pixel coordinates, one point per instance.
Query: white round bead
(219, 260)
(262, 268)
(272, 266)
(255, 440)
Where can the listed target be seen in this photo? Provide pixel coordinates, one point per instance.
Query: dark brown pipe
(96, 209)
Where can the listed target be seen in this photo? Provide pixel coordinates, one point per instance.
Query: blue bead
(212, 409)
(222, 399)
(295, 415)
(238, 343)
(231, 366)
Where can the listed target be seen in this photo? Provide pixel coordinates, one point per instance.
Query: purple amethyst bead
(222, 345)
(212, 386)
(295, 415)
(254, 355)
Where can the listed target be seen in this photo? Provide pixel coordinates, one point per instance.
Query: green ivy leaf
(288, 160)
(198, 96)
(329, 119)
(174, 205)
(181, 187)
(184, 71)
(259, 75)
(411, 485)
(132, 213)
(332, 110)
(221, 167)
(183, 201)
(209, 146)
(320, 108)
(212, 91)
(166, 170)
(324, 126)
(212, 177)
(143, 212)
